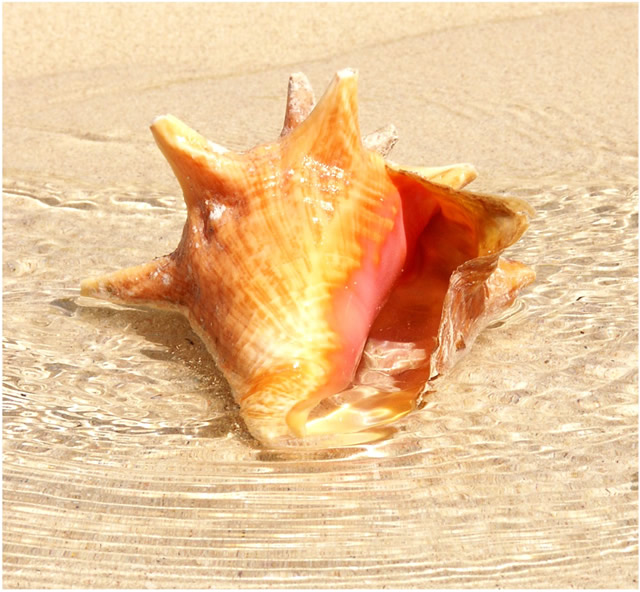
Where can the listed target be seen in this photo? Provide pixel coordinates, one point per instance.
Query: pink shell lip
(364, 279)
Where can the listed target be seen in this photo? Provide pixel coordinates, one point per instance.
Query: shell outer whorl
(300, 255)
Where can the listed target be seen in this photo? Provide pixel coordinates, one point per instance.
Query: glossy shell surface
(329, 284)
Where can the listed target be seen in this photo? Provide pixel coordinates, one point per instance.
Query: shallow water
(126, 458)
(126, 463)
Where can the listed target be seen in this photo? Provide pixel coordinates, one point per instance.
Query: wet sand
(125, 463)
(520, 90)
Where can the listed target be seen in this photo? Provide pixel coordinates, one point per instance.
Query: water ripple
(119, 432)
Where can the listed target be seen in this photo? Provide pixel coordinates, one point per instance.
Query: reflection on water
(125, 459)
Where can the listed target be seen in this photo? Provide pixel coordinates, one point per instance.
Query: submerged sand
(126, 464)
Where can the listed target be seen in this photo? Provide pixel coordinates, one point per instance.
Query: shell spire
(300, 102)
(200, 166)
(159, 283)
(331, 130)
(383, 140)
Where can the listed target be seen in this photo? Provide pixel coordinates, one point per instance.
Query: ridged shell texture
(329, 284)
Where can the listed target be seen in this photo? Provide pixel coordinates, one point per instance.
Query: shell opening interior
(445, 242)
(395, 362)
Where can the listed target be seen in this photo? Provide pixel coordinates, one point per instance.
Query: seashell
(329, 284)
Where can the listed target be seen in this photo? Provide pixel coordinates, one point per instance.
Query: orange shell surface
(328, 284)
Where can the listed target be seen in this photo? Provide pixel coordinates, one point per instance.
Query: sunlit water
(126, 462)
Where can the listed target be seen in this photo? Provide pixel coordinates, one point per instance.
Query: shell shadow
(170, 338)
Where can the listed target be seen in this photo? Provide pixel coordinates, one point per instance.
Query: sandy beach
(126, 464)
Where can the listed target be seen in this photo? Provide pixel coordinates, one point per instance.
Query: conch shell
(328, 284)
